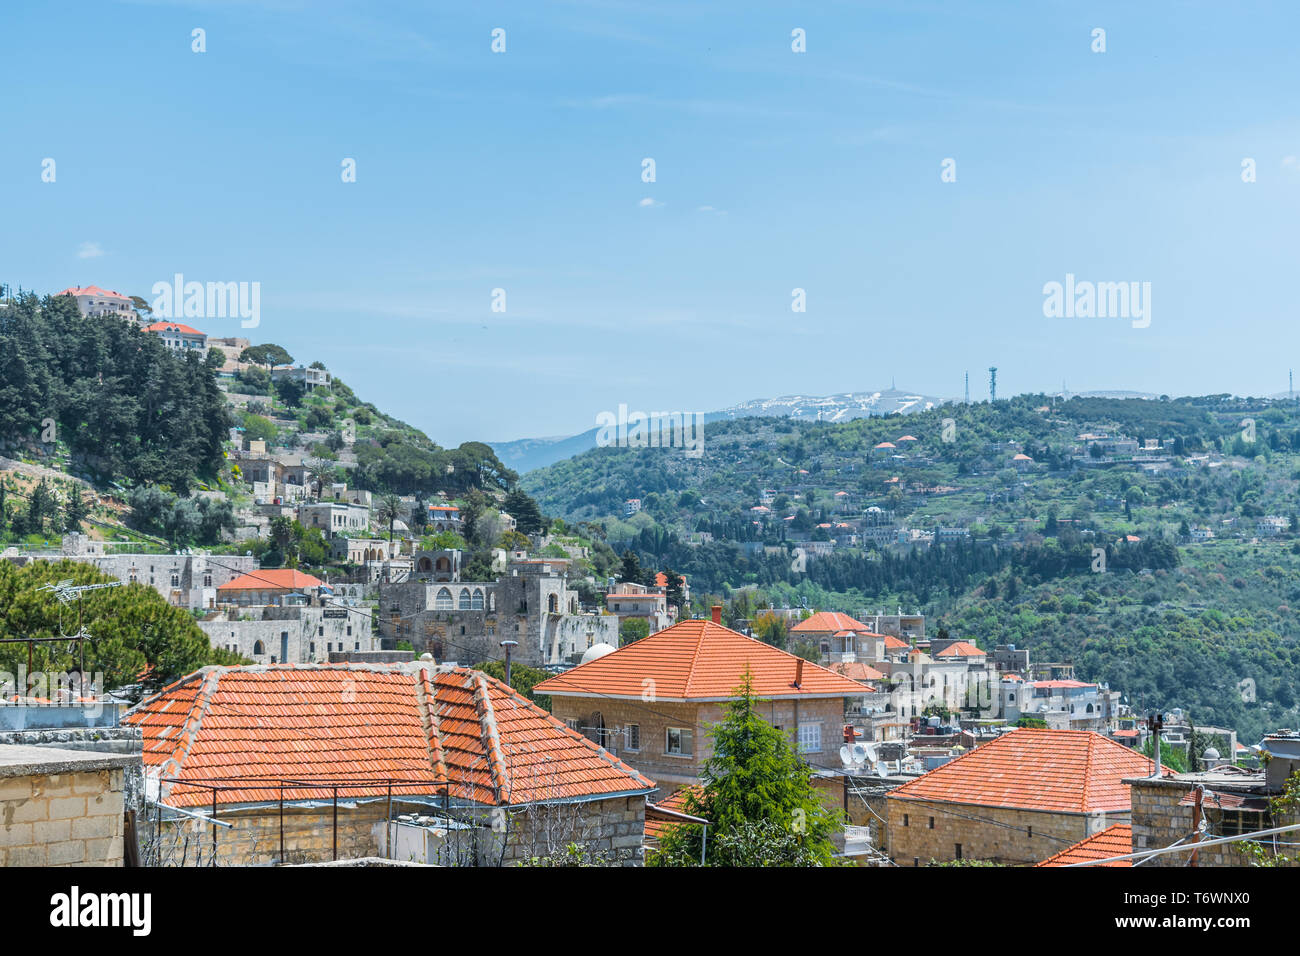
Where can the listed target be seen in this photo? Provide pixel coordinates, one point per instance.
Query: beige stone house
(652, 702)
(1016, 800)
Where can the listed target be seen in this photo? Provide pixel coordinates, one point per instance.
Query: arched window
(444, 564)
(258, 649)
(425, 565)
(464, 599)
(443, 600)
(476, 603)
(1090, 708)
(553, 604)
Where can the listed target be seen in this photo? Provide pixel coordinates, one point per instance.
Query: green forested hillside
(1170, 621)
(121, 403)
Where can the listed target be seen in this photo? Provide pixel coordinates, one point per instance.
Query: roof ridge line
(490, 736)
(427, 688)
(193, 721)
(695, 657)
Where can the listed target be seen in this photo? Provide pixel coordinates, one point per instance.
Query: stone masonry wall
(71, 819)
(985, 833)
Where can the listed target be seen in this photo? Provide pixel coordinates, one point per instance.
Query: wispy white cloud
(649, 203)
(90, 250)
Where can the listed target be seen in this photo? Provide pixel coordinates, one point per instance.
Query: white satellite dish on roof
(846, 756)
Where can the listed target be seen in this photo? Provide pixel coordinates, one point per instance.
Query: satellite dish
(860, 754)
(846, 756)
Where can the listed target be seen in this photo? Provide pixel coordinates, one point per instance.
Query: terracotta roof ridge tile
(193, 721)
(491, 735)
(695, 657)
(435, 731)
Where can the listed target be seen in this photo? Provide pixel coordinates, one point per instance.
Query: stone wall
(1159, 821)
(60, 808)
(1012, 837)
(111, 740)
(610, 830)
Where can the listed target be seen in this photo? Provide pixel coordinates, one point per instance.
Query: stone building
(498, 778)
(465, 621)
(653, 701)
(1233, 801)
(296, 634)
(1015, 800)
(184, 580)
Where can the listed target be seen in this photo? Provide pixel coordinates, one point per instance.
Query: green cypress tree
(757, 796)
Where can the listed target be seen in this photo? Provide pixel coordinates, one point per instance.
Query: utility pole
(1196, 822)
(509, 646)
(1155, 723)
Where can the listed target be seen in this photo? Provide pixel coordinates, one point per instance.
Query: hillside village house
(1017, 799)
(638, 600)
(180, 337)
(443, 764)
(308, 377)
(267, 586)
(92, 300)
(465, 621)
(652, 702)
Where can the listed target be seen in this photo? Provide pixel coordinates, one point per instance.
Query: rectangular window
(680, 741)
(958, 847)
(905, 819)
(931, 823)
(632, 737)
(810, 737)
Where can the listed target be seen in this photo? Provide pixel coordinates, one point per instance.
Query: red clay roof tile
(452, 730)
(1053, 771)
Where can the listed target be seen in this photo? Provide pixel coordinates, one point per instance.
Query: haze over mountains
(528, 454)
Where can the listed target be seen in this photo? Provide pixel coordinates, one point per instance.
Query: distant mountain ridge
(528, 454)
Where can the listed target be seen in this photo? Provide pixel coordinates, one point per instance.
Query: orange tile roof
(893, 642)
(961, 649)
(661, 815)
(272, 579)
(1112, 841)
(697, 660)
(858, 671)
(93, 290)
(1053, 771)
(171, 327)
(831, 621)
(437, 729)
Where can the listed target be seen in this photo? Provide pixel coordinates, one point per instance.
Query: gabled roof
(272, 579)
(831, 621)
(438, 729)
(171, 327)
(961, 649)
(1112, 841)
(859, 671)
(891, 642)
(697, 660)
(1053, 771)
(93, 290)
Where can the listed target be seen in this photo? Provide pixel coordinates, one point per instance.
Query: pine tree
(757, 796)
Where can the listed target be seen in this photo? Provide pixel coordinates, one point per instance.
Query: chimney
(798, 673)
(717, 614)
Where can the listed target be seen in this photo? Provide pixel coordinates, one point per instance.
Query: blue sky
(775, 170)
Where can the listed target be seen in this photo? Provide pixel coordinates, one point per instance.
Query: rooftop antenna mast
(968, 388)
(993, 384)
